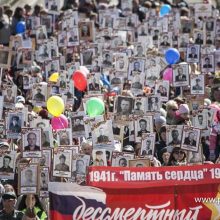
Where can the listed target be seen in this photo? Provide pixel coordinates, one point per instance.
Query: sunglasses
(179, 152)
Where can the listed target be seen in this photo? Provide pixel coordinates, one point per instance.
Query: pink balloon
(168, 75)
(60, 122)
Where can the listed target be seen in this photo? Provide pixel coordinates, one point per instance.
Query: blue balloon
(165, 10)
(20, 27)
(172, 56)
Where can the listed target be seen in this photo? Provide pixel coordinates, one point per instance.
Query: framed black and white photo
(43, 53)
(5, 57)
(117, 79)
(62, 162)
(120, 159)
(64, 137)
(94, 83)
(45, 160)
(9, 93)
(137, 84)
(26, 82)
(41, 34)
(7, 165)
(99, 157)
(124, 105)
(62, 39)
(107, 59)
(198, 37)
(183, 41)
(180, 75)
(136, 67)
(28, 178)
(153, 103)
(195, 157)
(121, 62)
(162, 88)
(86, 30)
(143, 125)
(86, 57)
(47, 21)
(39, 94)
(78, 127)
(217, 60)
(197, 84)
(139, 163)
(139, 105)
(31, 142)
(166, 40)
(200, 120)
(207, 63)
(80, 163)
(148, 144)
(153, 68)
(139, 50)
(73, 37)
(14, 123)
(193, 53)
(187, 26)
(102, 135)
(2, 129)
(190, 139)
(44, 180)
(174, 135)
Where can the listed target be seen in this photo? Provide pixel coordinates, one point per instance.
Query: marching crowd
(137, 83)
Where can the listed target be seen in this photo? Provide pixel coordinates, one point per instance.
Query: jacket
(40, 213)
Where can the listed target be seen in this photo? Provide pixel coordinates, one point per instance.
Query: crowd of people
(155, 113)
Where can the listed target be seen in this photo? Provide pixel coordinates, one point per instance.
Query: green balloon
(94, 107)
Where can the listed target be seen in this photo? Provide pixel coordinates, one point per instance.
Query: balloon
(172, 56)
(54, 77)
(168, 75)
(95, 106)
(20, 27)
(80, 80)
(84, 69)
(55, 106)
(60, 122)
(165, 10)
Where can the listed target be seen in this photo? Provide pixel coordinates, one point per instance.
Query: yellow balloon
(54, 77)
(55, 106)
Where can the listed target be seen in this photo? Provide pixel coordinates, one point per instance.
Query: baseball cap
(9, 196)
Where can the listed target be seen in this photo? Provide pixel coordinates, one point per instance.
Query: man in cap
(9, 212)
(138, 109)
(14, 124)
(39, 97)
(62, 166)
(6, 162)
(98, 159)
(197, 86)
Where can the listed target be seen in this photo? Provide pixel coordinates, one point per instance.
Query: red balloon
(80, 80)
